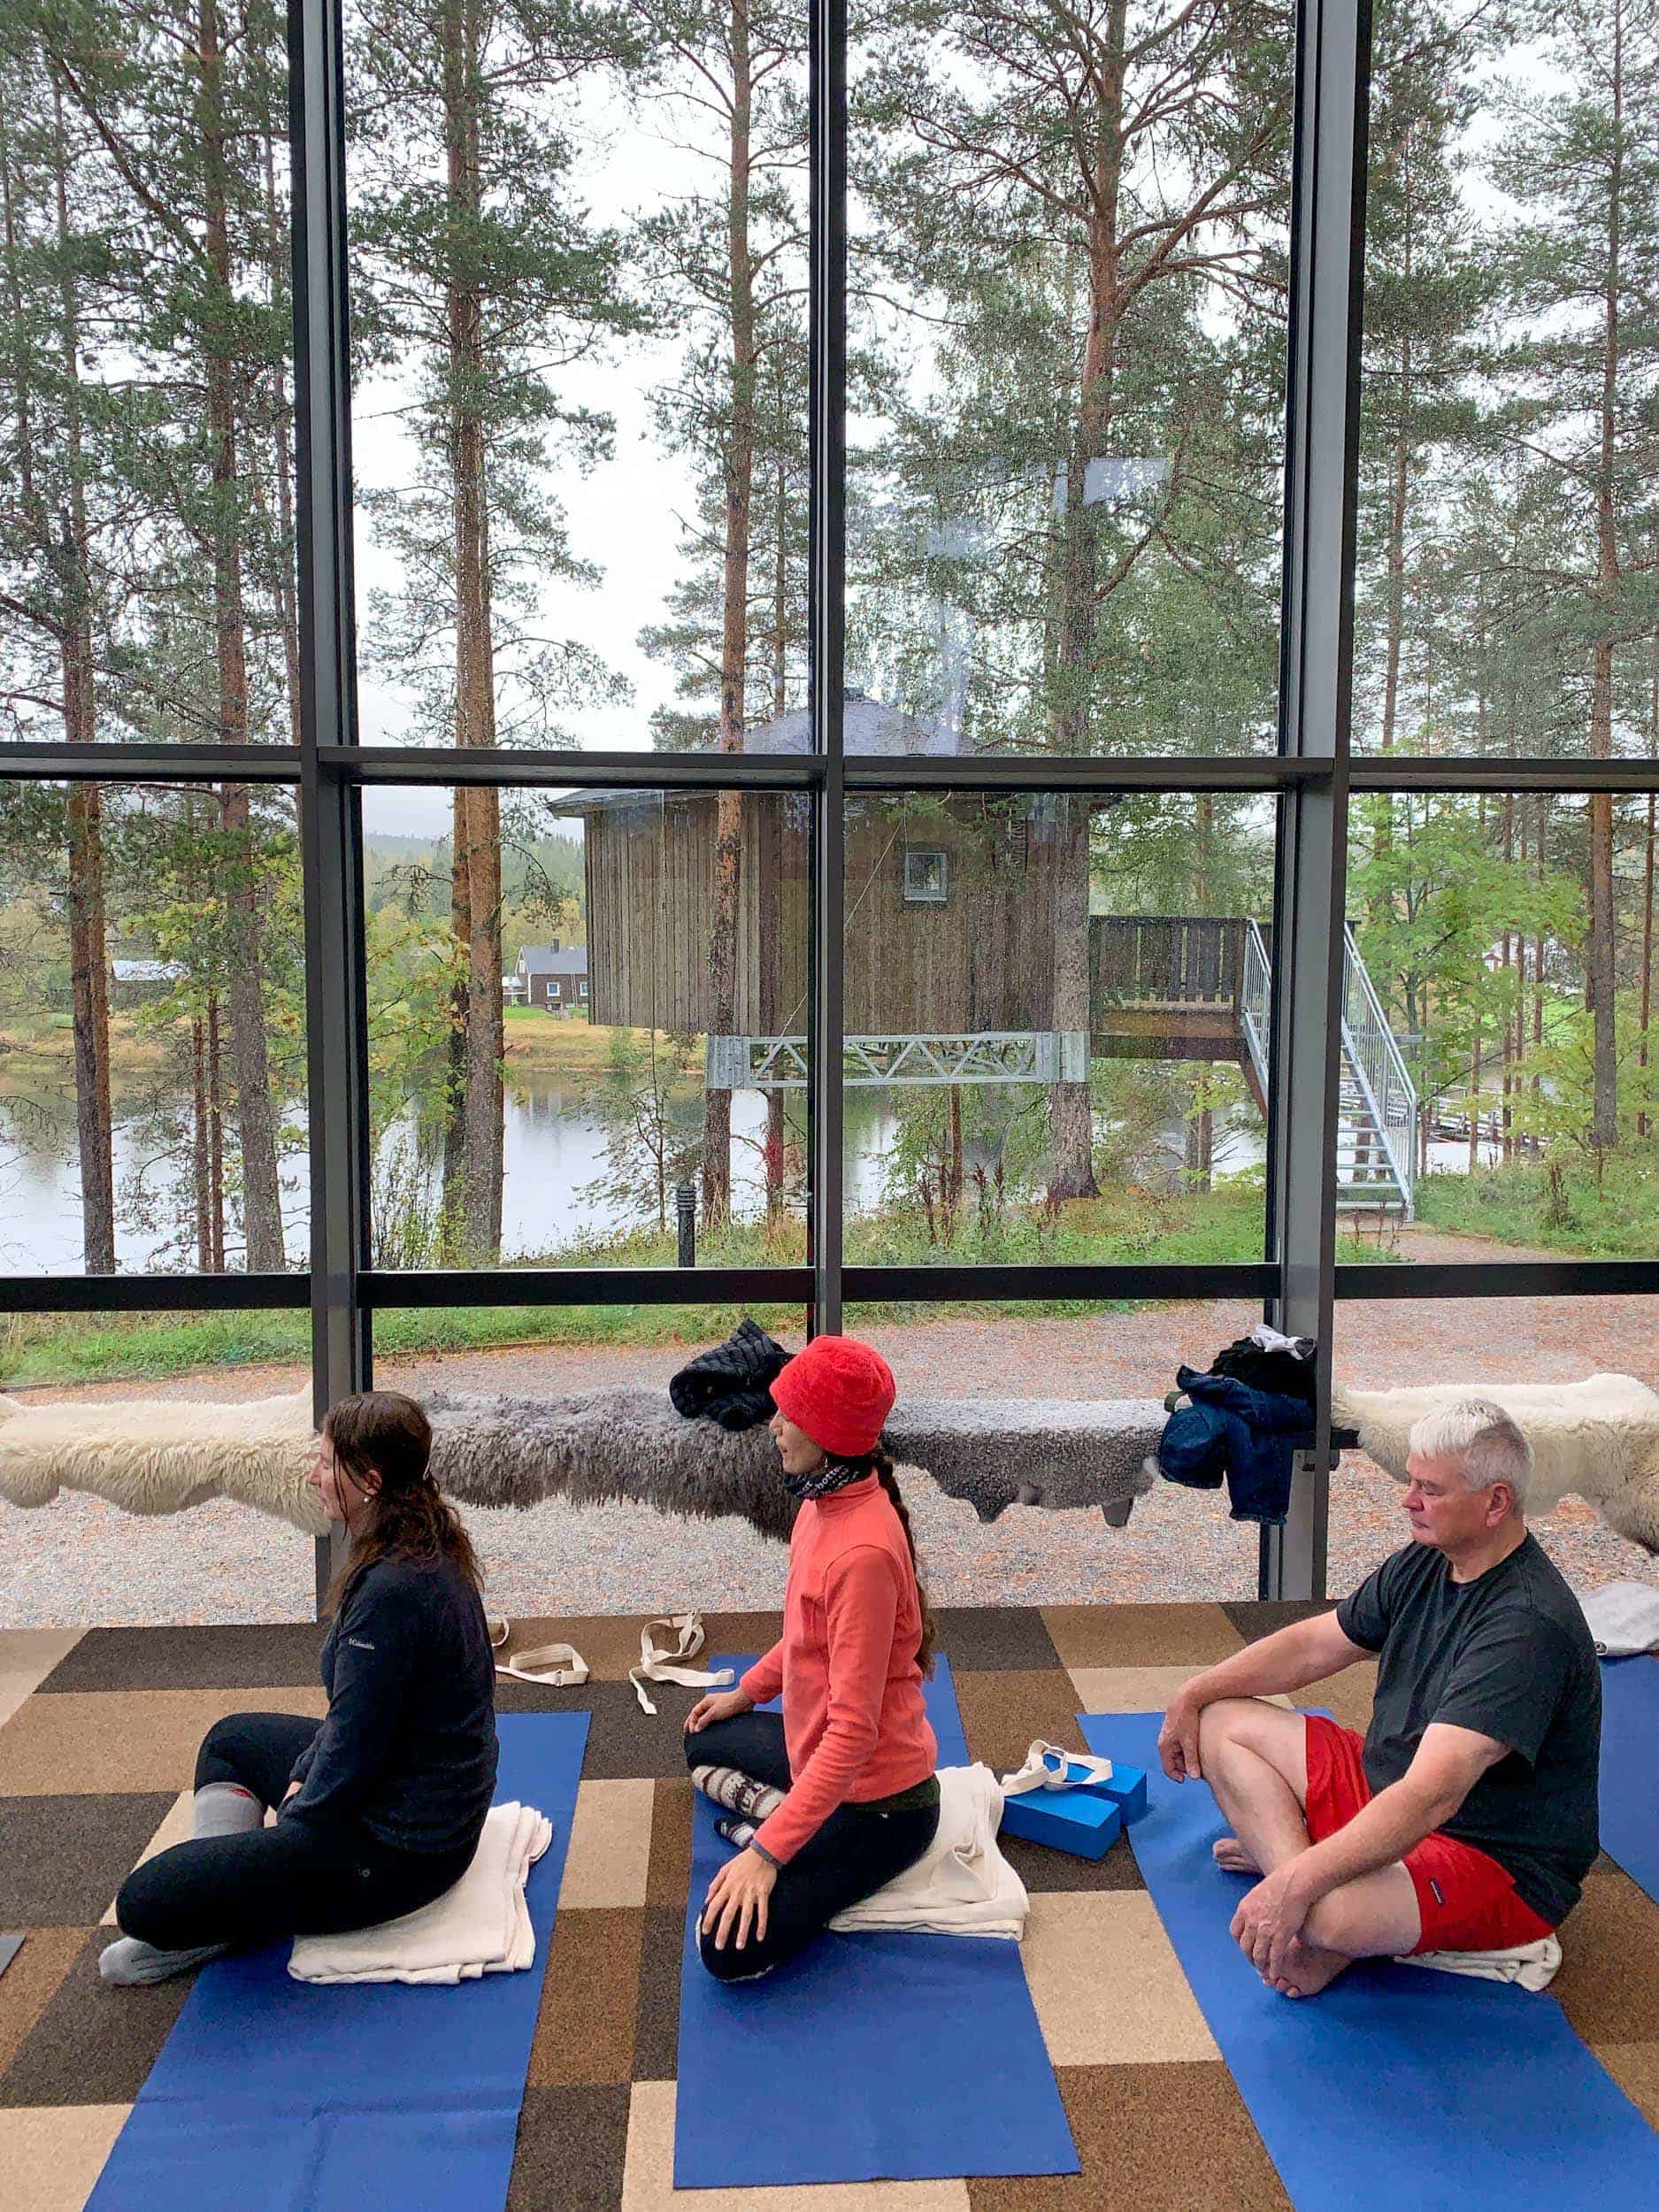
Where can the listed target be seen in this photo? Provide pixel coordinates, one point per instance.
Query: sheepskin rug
(1599, 1438)
(159, 1455)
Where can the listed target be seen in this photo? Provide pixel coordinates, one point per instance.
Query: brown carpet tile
(92, 1761)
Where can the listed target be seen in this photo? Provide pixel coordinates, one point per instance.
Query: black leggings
(853, 1855)
(300, 1878)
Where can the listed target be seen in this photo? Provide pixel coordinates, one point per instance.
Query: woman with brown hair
(831, 1800)
(378, 1808)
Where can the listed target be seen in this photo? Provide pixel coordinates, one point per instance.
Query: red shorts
(1468, 1901)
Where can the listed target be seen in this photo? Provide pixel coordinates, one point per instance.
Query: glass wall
(960, 945)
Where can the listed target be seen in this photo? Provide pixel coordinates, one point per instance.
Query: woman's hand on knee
(720, 1705)
(736, 1902)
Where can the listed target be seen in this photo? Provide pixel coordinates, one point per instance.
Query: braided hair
(880, 1463)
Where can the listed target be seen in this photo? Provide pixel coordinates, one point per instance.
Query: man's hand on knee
(1178, 1739)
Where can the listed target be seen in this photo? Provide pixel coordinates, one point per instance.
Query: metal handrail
(1255, 1002)
(1378, 1069)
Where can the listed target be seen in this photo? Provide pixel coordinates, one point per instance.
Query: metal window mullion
(1332, 58)
(827, 639)
(330, 807)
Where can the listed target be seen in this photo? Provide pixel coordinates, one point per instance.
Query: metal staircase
(1376, 1137)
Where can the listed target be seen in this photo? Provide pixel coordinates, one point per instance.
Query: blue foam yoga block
(1127, 1790)
(1079, 1821)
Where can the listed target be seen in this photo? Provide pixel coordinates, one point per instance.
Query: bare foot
(1232, 1858)
(1309, 1971)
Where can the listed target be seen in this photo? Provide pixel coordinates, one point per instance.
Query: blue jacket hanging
(1248, 1436)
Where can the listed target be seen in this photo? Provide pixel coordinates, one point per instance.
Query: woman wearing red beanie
(834, 1798)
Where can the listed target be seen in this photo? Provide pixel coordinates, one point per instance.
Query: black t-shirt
(1508, 1654)
(409, 1746)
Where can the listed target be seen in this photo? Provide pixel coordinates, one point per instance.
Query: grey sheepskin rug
(161, 1455)
(597, 1446)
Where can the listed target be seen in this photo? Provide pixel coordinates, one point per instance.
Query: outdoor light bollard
(686, 1208)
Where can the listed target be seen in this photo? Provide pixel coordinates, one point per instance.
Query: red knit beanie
(841, 1392)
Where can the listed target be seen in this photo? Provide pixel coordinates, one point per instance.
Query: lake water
(554, 1153)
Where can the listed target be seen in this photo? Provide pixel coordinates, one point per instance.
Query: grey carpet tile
(974, 1637)
(93, 2044)
(572, 2145)
(1260, 1616)
(624, 1743)
(62, 1859)
(1043, 1869)
(657, 2015)
(252, 1656)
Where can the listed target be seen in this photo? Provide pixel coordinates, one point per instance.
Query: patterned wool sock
(128, 1960)
(738, 1833)
(739, 1792)
(225, 1809)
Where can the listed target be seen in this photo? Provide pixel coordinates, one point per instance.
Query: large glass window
(146, 347)
(1501, 1045)
(579, 264)
(1504, 591)
(587, 1026)
(1066, 413)
(152, 1012)
(1062, 1051)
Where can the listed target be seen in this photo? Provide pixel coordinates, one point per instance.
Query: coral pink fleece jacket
(853, 1717)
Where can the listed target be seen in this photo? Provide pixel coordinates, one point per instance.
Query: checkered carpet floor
(100, 1736)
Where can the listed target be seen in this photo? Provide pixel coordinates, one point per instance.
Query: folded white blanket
(962, 1885)
(1530, 1965)
(481, 1926)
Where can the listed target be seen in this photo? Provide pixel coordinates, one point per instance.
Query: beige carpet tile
(648, 2179)
(669, 1869)
(1004, 1714)
(1150, 2138)
(1608, 1982)
(62, 1858)
(1635, 2068)
(1107, 1984)
(91, 2043)
(1348, 1696)
(584, 2035)
(89, 1741)
(608, 1859)
(236, 1655)
(27, 1655)
(52, 2156)
(177, 1826)
(1134, 1689)
(571, 2148)
(1140, 1635)
(31, 1981)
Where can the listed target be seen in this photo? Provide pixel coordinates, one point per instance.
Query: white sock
(225, 1808)
(130, 1961)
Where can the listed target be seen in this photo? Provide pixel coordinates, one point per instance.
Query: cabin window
(582, 987)
(926, 875)
(553, 988)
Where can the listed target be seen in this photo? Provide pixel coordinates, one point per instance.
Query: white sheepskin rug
(1599, 1438)
(161, 1455)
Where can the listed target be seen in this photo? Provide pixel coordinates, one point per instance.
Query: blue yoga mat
(273, 2095)
(1630, 1768)
(870, 2057)
(1443, 2094)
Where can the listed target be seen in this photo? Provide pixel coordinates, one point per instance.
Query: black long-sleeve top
(408, 1749)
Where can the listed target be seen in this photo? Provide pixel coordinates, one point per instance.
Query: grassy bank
(1614, 1218)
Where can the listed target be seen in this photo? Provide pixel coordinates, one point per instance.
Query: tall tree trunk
(740, 468)
(88, 964)
(256, 1120)
(455, 1042)
(1645, 1016)
(282, 452)
(478, 809)
(215, 1135)
(199, 1183)
(1600, 965)
(1072, 1173)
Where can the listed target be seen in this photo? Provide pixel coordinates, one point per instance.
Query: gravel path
(82, 1560)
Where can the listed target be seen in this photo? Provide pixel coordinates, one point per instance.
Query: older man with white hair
(1465, 1818)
